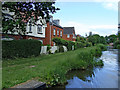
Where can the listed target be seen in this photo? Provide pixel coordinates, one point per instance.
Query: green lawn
(47, 68)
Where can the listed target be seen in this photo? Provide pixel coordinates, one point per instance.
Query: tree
(23, 11)
(112, 38)
(96, 39)
(81, 39)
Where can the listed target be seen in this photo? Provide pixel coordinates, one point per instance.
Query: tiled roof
(68, 30)
(55, 24)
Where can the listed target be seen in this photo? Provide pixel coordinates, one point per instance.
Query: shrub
(20, 48)
(88, 44)
(79, 45)
(69, 46)
(56, 51)
(118, 46)
(115, 45)
(61, 49)
(66, 43)
(102, 47)
(57, 41)
(48, 47)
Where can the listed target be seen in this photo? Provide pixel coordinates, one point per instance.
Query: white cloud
(82, 29)
(103, 26)
(106, 0)
(87, 0)
(109, 4)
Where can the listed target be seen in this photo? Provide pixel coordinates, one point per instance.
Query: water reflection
(119, 67)
(105, 77)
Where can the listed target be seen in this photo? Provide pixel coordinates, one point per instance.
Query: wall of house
(18, 37)
(49, 36)
(34, 30)
(13, 36)
(71, 38)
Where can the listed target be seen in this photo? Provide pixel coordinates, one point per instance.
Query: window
(30, 28)
(58, 32)
(39, 29)
(54, 32)
(73, 36)
(61, 33)
(68, 36)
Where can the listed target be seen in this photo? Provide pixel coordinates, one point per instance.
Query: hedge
(69, 44)
(66, 43)
(116, 44)
(20, 48)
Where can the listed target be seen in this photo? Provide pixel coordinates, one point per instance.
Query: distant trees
(96, 39)
(81, 39)
(84, 41)
(111, 38)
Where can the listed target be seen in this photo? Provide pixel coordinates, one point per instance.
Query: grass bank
(50, 68)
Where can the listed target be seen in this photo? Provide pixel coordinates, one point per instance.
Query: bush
(48, 47)
(69, 46)
(102, 47)
(88, 44)
(57, 41)
(66, 43)
(116, 44)
(61, 49)
(79, 45)
(20, 48)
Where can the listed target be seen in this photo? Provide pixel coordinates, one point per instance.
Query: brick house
(43, 31)
(33, 31)
(53, 30)
(69, 33)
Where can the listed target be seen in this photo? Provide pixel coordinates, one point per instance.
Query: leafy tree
(81, 39)
(23, 11)
(112, 38)
(96, 39)
(102, 40)
(119, 35)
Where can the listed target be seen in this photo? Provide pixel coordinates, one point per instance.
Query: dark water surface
(99, 77)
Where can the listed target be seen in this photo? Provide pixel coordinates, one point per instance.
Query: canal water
(98, 77)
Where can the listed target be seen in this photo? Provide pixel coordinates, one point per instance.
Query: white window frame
(58, 32)
(73, 36)
(54, 32)
(68, 35)
(39, 29)
(61, 33)
(30, 27)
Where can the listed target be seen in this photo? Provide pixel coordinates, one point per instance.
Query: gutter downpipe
(50, 31)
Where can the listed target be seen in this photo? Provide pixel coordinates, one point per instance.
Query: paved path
(31, 84)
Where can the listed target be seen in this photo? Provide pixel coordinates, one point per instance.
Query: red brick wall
(17, 37)
(70, 38)
(47, 33)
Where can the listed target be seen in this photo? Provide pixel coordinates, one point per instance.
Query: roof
(55, 24)
(68, 30)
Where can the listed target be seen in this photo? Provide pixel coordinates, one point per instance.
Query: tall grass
(50, 69)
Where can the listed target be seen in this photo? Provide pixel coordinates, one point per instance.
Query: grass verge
(50, 69)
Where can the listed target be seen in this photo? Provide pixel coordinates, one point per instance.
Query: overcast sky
(100, 16)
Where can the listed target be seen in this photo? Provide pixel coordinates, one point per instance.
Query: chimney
(57, 21)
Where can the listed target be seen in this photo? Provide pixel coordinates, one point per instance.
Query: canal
(97, 77)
